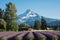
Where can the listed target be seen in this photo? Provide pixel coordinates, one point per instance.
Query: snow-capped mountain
(30, 16)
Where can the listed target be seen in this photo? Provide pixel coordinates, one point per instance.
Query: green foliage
(7, 17)
(24, 26)
(10, 12)
(42, 38)
(43, 23)
(16, 28)
(11, 9)
(55, 27)
(1, 13)
(2, 25)
(37, 25)
(10, 17)
(54, 37)
(12, 27)
(30, 38)
(18, 38)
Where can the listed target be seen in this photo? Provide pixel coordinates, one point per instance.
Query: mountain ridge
(30, 16)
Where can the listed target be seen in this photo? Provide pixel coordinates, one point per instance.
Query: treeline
(55, 27)
(38, 25)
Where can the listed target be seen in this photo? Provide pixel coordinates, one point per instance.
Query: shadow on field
(24, 37)
(13, 38)
(35, 37)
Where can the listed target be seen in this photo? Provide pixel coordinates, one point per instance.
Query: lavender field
(30, 35)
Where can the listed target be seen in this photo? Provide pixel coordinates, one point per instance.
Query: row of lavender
(43, 35)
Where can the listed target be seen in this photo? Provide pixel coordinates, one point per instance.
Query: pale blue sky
(47, 8)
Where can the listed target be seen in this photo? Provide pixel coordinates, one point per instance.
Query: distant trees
(23, 26)
(56, 27)
(43, 23)
(37, 25)
(42, 26)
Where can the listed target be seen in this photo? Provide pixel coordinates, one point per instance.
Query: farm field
(30, 35)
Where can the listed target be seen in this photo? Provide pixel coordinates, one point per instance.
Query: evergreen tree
(11, 11)
(2, 25)
(10, 16)
(1, 13)
(2, 21)
(43, 23)
(37, 25)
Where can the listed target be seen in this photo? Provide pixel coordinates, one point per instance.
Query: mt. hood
(29, 17)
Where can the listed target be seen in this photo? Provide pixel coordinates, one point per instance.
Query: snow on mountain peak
(30, 13)
(27, 16)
